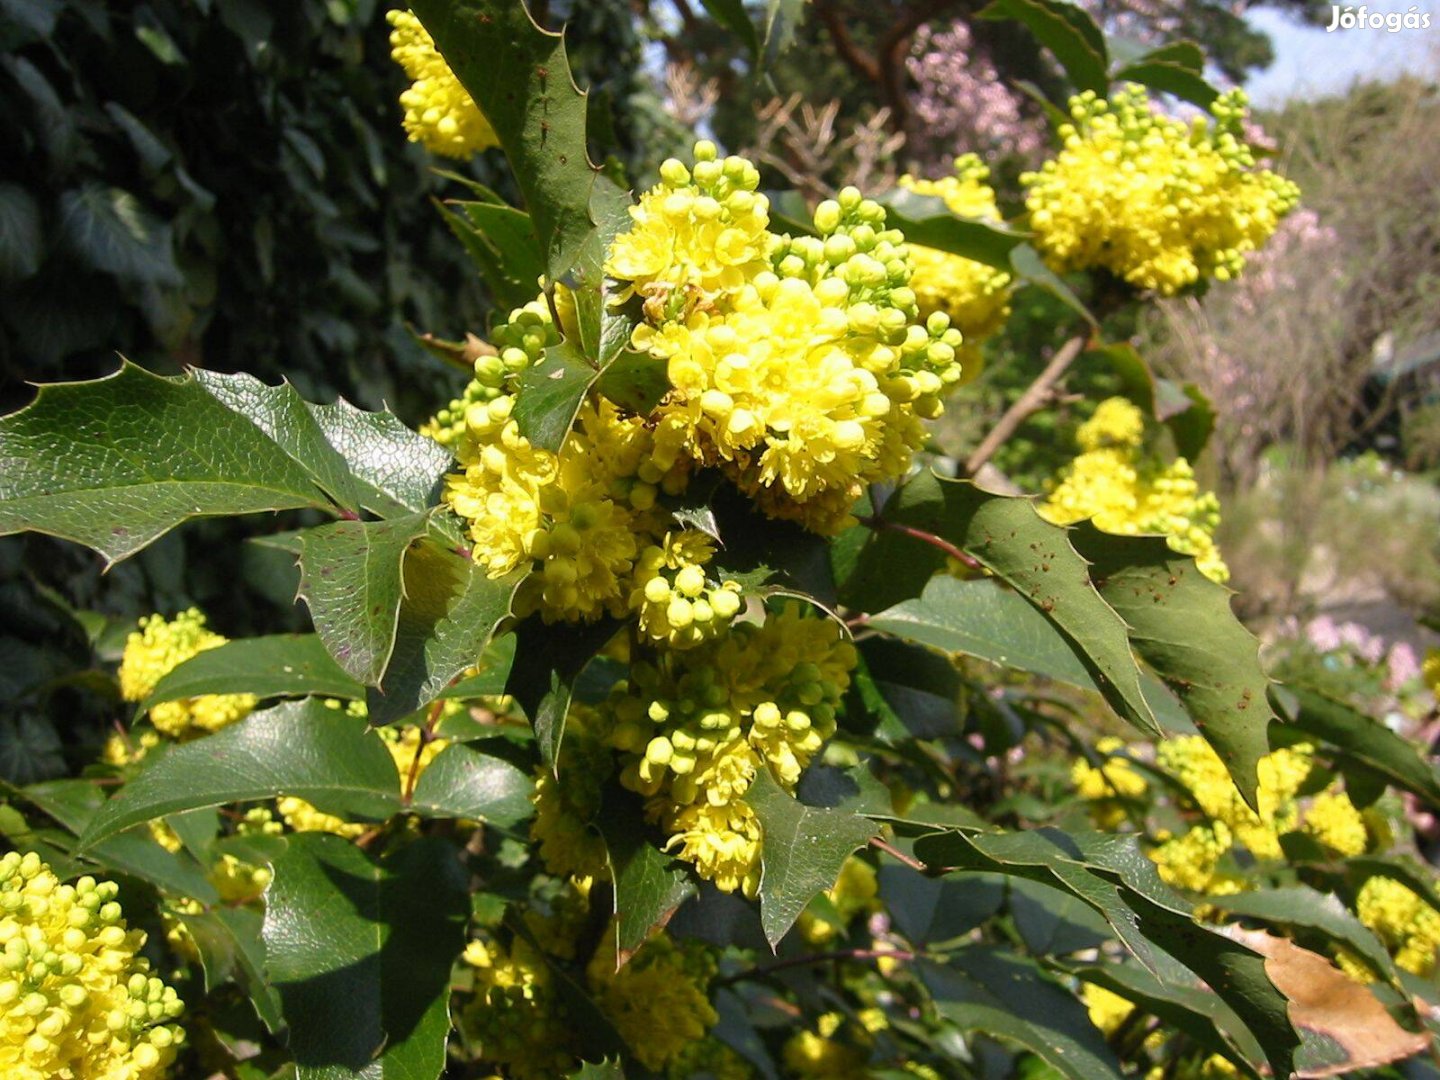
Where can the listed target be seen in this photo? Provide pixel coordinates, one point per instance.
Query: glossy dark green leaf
(802, 851)
(396, 470)
(1009, 997)
(351, 580)
(361, 951)
(518, 75)
(115, 463)
(297, 748)
(1007, 537)
(280, 665)
(448, 613)
(21, 244)
(1067, 31)
(550, 394)
(1169, 73)
(649, 884)
(927, 221)
(501, 241)
(1182, 625)
(465, 784)
(1365, 739)
(109, 229)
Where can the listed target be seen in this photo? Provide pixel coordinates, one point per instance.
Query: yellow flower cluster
(1156, 201)
(1430, 671)
(77, 999)
(1127, 491)
(1107, 787)
(1403, 920)
(1190, 860)
(439, 112)
(566, 806)
(156, 649)
(694, 727)
(974, 295)
(796, 367)
(658, 1001)
(820, 1055)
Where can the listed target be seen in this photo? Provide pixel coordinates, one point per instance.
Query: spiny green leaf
(782, 17)
(927, 221)
(1181, 624)
(802, 851)
(351, 580)
(1067, 31)
(649, 885)
(1159, 72)
(229, 942)
(1009, 997)
(115, 463)
(396, 470)
(520, 78)
(280, 665)
(550, 394)
(465, 784)
(501, 241)
(361, 953)
(1010, 539)
(448, 613)
(1363, 738)
(297, 748)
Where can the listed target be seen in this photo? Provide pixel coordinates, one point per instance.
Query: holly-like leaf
(1181, 624)
(1028, 266)
(1009, 997)
(732, 15)
(465, 784)
(117, 462)
(501, 241)
(1010, 539)
(447, 615)
(927, 221)
(520, 78)
(280, 665)
(229, 942)
(1067, 31)
(1361, 738)
(1177, 69)
(550, 394)
(649, 884)
(297, 748)
(802, 851)
(351, 579)
(361, 951)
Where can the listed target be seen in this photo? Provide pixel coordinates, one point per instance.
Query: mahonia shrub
(675, 707)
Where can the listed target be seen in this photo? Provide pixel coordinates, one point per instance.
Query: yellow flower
(853, 894)
(1402, 919)
(156, 649)
(1109, 785)
(721, 842)
(818, 1055)
(1333, 820)
(1107, 1009)
(77, 999)
(1126, 491)
(439, 112)
(975, 295)
(1430, 671)
(677, 604)
(657, 1002)
(1152, 199)
(565, 808)
(516, 1015)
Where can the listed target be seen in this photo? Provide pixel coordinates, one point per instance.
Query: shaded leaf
(548, 660)
(21, 243)
(1008, 997)
(550, 394)
(649, 885)
(732, 15)
(1030, 268)
(361, 953)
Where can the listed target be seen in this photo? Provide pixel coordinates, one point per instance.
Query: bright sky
(1309, 62)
